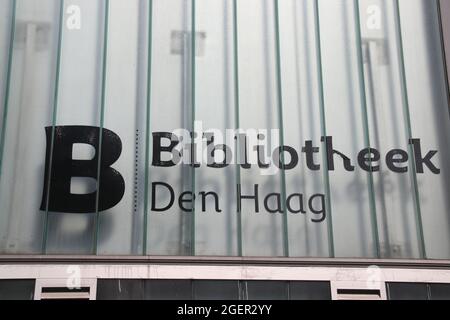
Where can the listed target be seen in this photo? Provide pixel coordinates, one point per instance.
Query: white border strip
(133, 271)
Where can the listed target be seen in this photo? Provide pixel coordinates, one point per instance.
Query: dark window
(168, 289)
(407, 291)
(17, 289)
(439, 291)
(309, 290)
(266, 290)
(120, 289)
(216, 290)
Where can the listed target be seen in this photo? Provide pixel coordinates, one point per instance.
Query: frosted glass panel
(79, 103)
(214, 82)
(120, 228)
(394, 191)
(262, 233)
(170, 232)
(429, 121)
(344, 122)
(28, 109)
(301, 117)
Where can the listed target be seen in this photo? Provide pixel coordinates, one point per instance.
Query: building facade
(240, 149)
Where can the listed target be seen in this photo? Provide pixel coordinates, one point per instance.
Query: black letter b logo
(63, 168)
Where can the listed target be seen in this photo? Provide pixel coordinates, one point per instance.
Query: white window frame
(62, 283)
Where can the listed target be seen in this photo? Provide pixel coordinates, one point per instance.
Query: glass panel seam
(236, 119)
(408, 129)
(148, 125)
(193, 57)
(365, 121)
(326, 176)
(102, 118)
(54, 116)
(8, 81)
(281, 127)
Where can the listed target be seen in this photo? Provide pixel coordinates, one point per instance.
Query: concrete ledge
(217, 260)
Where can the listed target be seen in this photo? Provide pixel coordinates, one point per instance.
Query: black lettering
(301, 208)
(172, 196)
(366, 157)
(331, 153)
(61, 167)
(394, 157)
(277, 197)
(318, 211)
(254, 197)
(420, 161)
(243, 151)
(190, 200)
(280, 160)
(158, 149)
(211, 150)
(216, 200)
(309, 151)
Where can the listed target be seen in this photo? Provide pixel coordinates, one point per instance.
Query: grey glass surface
(138, 289)
(216, 290)
(17, 289)
(407, 291)
(266, 290)
(116, 289)
(309, 290)
(168, 290)
(439, 291)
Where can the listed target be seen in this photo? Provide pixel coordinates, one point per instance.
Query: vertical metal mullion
(102, 118)
(408, 129)
(54, 117)
(326, 176)
(281, 127)
(365, 120)
(147, 124)
(8, 82)
(193, 57)
(236, 117)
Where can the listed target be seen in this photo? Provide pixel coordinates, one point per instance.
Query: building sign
(250, 148)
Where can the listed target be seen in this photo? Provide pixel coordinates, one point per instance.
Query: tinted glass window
(407, 291)
(119, 289)
(17, 289)
(266, 290)
(216, 290)
(168, 289)
(439, 291)
(309, 290)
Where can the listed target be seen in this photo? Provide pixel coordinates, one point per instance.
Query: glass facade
(367, 74)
